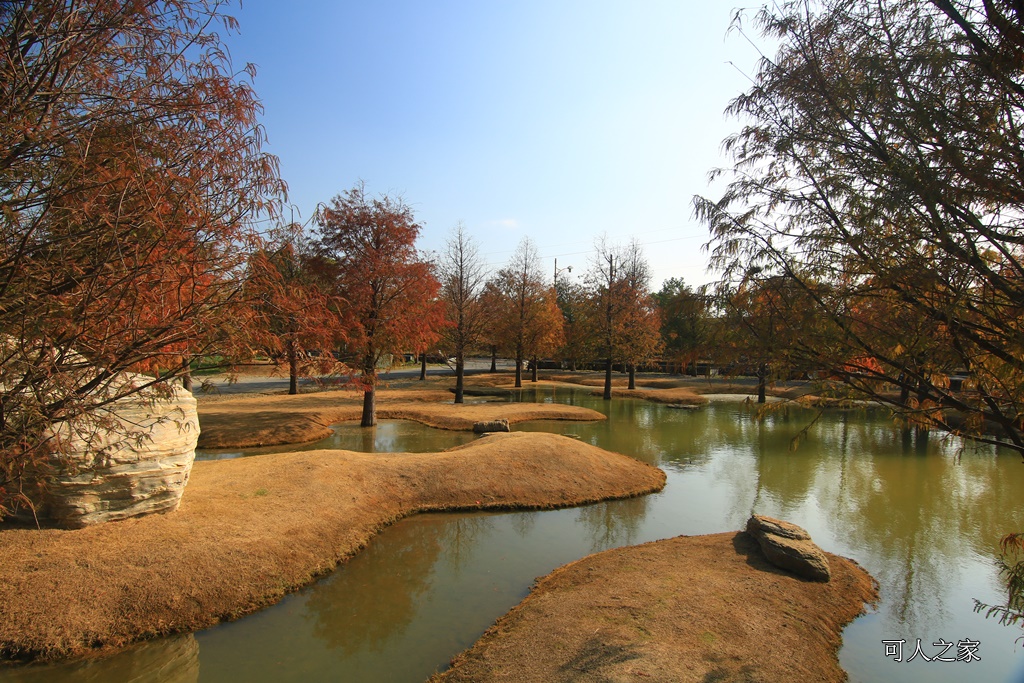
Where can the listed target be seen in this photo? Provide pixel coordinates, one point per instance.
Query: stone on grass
(777, 527)
(138, 465)
(789, 547)
(491, 426)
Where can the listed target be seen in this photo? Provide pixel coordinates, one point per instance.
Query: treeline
(356, 293)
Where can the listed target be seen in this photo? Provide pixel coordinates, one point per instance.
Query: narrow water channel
(924, 516)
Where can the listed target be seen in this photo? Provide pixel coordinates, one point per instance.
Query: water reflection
(365, 610)
(168, 660)
(613, 524)
(388, 436)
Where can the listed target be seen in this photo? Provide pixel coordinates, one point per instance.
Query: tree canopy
(686, 322)
(131, 167)
(294, 313)
(527, 321)
(369, 244)
(879, 169)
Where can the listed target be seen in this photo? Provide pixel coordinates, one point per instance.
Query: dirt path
(701, 608)
(252, 529)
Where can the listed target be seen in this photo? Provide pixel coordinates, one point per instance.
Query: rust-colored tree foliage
(130, 169)
(639, 328)
(878, 168)
(369, 246)
(577, 323)
(294, 315)
(769, 325)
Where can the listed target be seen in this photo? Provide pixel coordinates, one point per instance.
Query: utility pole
(608, 329)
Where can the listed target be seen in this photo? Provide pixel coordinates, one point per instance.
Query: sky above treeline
(560, 120)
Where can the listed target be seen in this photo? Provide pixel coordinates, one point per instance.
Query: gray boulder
(789, 547)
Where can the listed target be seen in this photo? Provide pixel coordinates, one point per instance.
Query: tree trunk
(922, 395)
(293, 368)
(632, 376)
(369, 379)
(608, 379)
(186, 373)
(369, 407)
(762, 379)
(519, 370)
(460, 371)
(423, 366)
(904, 392)
(533, 378)
(494, 358)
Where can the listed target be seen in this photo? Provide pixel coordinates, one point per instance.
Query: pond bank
(691, 608)
(269, 420)
(252, 529)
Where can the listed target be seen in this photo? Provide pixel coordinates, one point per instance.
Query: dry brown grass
(586, 379)
(705, 608)
(252, 529)
(674, 396)
(263, 420)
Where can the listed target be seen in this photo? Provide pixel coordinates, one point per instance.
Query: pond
(389, 436)
(923, 515)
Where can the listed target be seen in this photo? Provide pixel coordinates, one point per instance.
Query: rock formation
(789, 547)
(492, 426)
(134, 460)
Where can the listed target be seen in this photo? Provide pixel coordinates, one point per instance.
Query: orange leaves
(525, 314)
(864, 366)
(131, 168)
(390, 292)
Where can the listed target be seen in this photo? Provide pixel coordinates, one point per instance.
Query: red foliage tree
(130, 170)
(294, 315)
(638, 328)
(627, 320)
(391, 293)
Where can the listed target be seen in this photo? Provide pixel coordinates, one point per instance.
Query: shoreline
(272, 420)
(689, 608)
(251, 530)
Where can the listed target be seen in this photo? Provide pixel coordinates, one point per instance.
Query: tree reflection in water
(614, 523)
(366, 608)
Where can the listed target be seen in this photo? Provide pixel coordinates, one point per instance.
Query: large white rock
(139, 465)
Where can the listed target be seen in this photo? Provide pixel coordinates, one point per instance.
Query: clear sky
(560, 120)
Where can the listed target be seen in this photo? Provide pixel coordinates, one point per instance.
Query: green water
(389, 436)
(924, 516)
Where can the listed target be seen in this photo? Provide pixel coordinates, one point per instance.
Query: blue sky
(559, 120)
